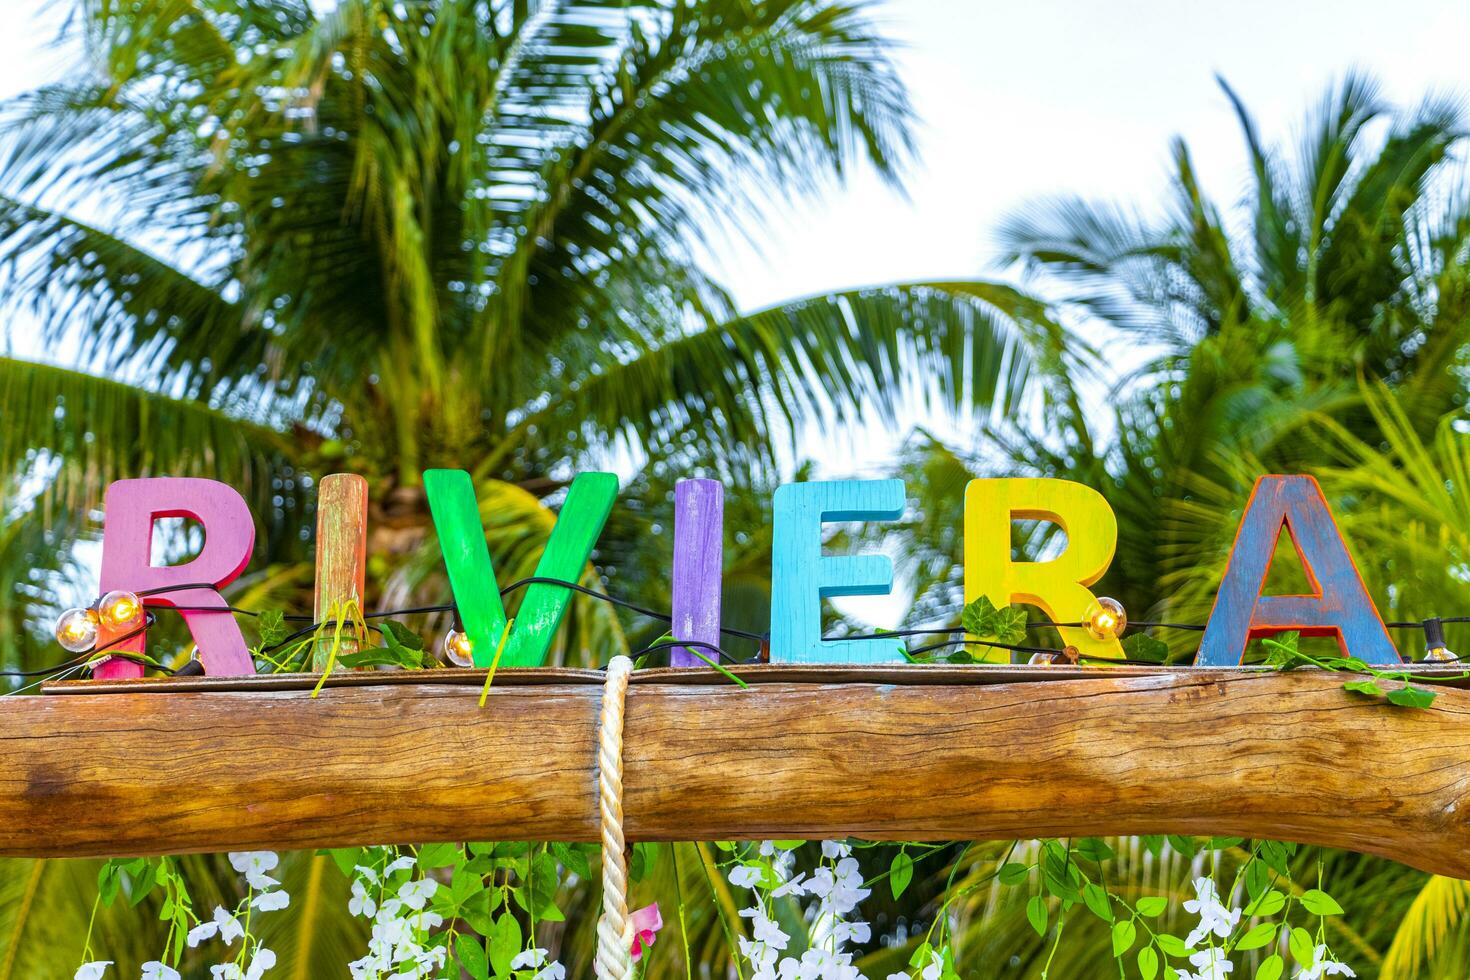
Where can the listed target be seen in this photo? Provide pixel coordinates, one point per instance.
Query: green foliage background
(265, 243)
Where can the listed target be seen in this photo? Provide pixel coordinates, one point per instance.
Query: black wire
(86, 655)
(313, 624)
(720, 655)
(984, 643)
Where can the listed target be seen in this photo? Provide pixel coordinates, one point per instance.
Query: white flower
(416, 893)
(361, 902)
(834, 849)
(201, 932)
(263, 960)
(1213, 916)
(1324, 966)
(402, 864)
(154, 970)
(227, 971)
(764, 930)
(224, 925)
(270, 901)
(93, 970)
(528, 959)
(794, 886)
(1212, 965)
(254, 865)
(552, 971)
(747, 876)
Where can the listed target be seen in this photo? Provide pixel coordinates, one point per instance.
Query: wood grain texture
(341, 551)
(1339, 606)
(1229, 752)
(1057, 586)
(699, 551)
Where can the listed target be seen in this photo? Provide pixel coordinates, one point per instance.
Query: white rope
(614, 929)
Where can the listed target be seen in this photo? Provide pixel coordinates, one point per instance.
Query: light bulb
(76, 630)
(1435, 647)
(121, 610)
(1105, 618)
(459, 648)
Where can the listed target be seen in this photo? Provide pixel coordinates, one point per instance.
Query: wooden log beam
(910, 753)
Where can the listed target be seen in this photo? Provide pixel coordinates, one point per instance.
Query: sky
(1021, 100)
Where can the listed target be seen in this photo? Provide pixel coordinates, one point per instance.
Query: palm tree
(1349, 261)
(1327, 332)
(273, 242)
(259, 242)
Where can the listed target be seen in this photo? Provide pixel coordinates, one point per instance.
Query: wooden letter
(341, 551)
(456, 515)
(127, 547)
(1057, 587)
(699, 512)
(1339, 604)
(801, 576)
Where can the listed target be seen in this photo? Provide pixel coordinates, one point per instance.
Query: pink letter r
(127, 547)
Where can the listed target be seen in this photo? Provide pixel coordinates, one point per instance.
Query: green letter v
(456, 514)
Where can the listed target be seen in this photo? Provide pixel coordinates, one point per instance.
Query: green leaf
(1148, 962)
(1257, 879)
(1410, 696)
(1094, 849)
(1096, 899)
(1141, 646)
(1152, 905)
(900, 873)
(573, 859)
(271, 625)
(1258, 936)
(1014, 873)
(1369, 688)
(1271, 968)
(1268, 904)
(1171, 945)
(345, 858)
(471, 956)
(1319, 902)
(645, 857)
(1036, 914)
(1009, 625)
(439, 855)
(1300, 944)
(978, 618)
(1124, 932)
(142, 882)
(504, 942)
(109, 880)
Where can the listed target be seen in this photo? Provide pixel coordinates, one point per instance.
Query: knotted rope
(614, 959)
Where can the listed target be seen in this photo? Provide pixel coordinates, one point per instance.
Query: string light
(1106, 618)
(76, 630)
(121, 609)
(459, 648)
(1435, 647)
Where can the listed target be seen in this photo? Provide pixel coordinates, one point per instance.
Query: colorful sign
(802, 575)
